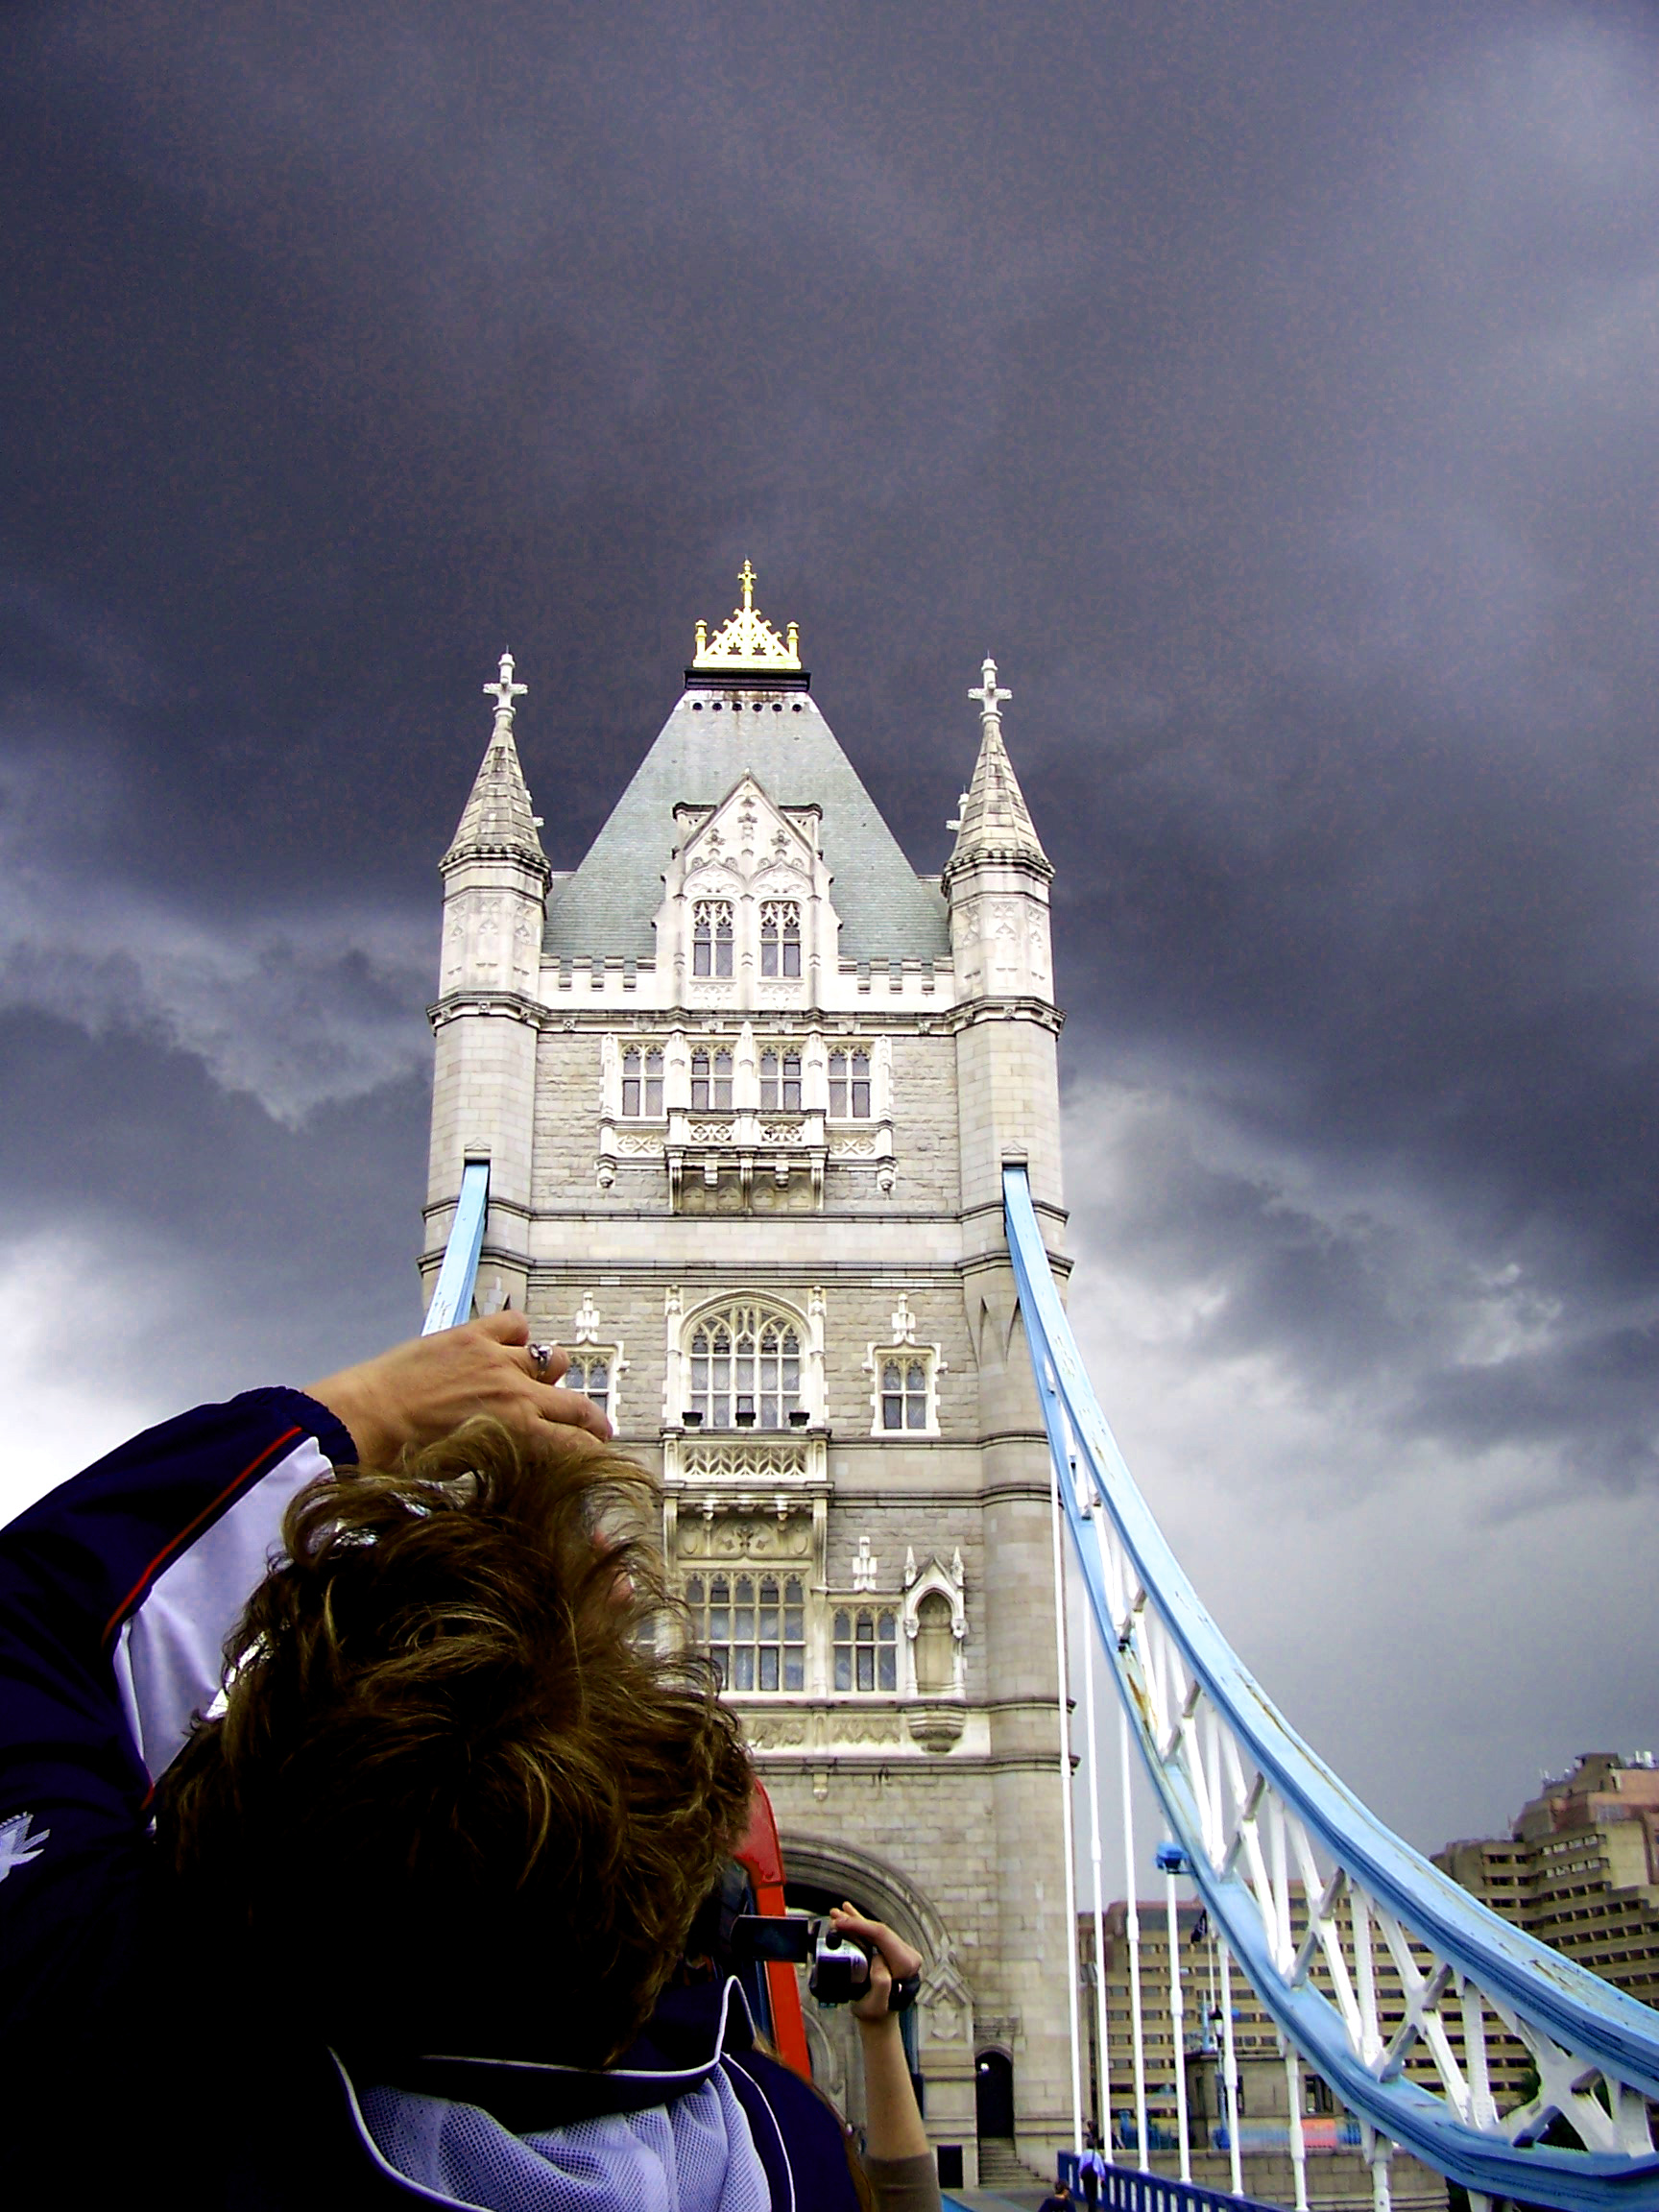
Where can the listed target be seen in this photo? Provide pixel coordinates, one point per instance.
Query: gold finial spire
(747, 643)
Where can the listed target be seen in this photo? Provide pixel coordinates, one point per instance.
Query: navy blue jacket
(133, 2066)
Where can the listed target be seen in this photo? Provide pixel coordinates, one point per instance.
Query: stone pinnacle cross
(504, 690)
(987, 692)
(746, 577)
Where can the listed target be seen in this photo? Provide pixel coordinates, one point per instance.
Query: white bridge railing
(1306, 1886)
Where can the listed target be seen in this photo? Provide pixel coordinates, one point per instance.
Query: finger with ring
(541, 1359)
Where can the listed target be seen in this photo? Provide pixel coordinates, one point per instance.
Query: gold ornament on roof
(748, 641)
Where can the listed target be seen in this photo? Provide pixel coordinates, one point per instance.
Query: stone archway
(823, 1869)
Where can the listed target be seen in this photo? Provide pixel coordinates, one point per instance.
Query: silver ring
(541, 1358)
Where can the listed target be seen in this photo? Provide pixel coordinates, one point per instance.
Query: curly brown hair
(464, 1782)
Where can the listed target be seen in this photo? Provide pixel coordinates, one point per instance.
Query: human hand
(891, 1960)
(419, 1391)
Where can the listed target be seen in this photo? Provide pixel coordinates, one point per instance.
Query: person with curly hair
(357, 1795)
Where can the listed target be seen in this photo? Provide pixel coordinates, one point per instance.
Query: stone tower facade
(746, 1083)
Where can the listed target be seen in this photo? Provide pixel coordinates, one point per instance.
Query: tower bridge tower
(746, 1083)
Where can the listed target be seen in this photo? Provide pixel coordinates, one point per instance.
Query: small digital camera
(839, 1961)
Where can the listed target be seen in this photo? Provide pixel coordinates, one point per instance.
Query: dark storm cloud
(1274, 389)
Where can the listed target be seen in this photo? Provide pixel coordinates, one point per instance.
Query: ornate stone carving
(775, 1731)
(936, 1728)
(730, 1536)
(849, 1725)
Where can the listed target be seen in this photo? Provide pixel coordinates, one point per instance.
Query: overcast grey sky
(1273, 389)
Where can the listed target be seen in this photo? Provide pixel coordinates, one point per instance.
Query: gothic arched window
(866, 1648)
(590, 1372)
(849, 1085)
(753, 1627)
(780, 1082)
(641, 1083)
(745, 1369)
(711, 937)
(903, 1393)
(779, 938)
(711, 1082)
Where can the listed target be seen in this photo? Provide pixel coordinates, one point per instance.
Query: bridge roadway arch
(820, 1871)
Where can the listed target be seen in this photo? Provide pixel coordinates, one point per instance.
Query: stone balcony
(721, 1161)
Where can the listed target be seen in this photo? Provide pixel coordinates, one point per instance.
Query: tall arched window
(849, 1085)
(711, 1082)
(745, 1369)
(641, 1082)
(780, 1082)
(590, 1372)
(903, 1393)
(779, 938)
(711, 937)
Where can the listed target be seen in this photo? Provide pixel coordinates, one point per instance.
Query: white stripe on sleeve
(171, 1651)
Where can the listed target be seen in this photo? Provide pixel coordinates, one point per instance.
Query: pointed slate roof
(995, 822)
(498, 820)
(606, 909)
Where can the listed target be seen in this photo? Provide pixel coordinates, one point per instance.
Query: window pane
(769, 952)
(866, 1668)
(843, 1628)
(768, 1667)
(889, 1667)
(792, 1592)
(866, 1628)
(794, 1671)
(860, 1102)
(630, 1094)
(843, 1667)
(743, 1666)
(694, 1591)
(893, 1413)
(792, 956)
(889, 1628)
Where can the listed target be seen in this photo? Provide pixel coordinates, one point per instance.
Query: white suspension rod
(1298, 2141)
(1102, 2076)
(1177, 2021)
(1230, 2075)
(1132, 1936)
(1066, 1811)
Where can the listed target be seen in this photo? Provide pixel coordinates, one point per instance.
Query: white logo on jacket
(16, 1845)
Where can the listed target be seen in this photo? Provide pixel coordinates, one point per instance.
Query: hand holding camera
(852, 1961)
(893, 1969)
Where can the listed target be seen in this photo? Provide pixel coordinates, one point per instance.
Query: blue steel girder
(1258, 1815)
(452, 1298)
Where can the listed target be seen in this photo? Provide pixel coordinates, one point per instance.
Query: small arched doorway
(994, 2094)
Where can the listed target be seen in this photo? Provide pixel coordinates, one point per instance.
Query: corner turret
(496, 877)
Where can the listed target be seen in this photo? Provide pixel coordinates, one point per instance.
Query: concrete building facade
(746, 1083)
(1580, 1870)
